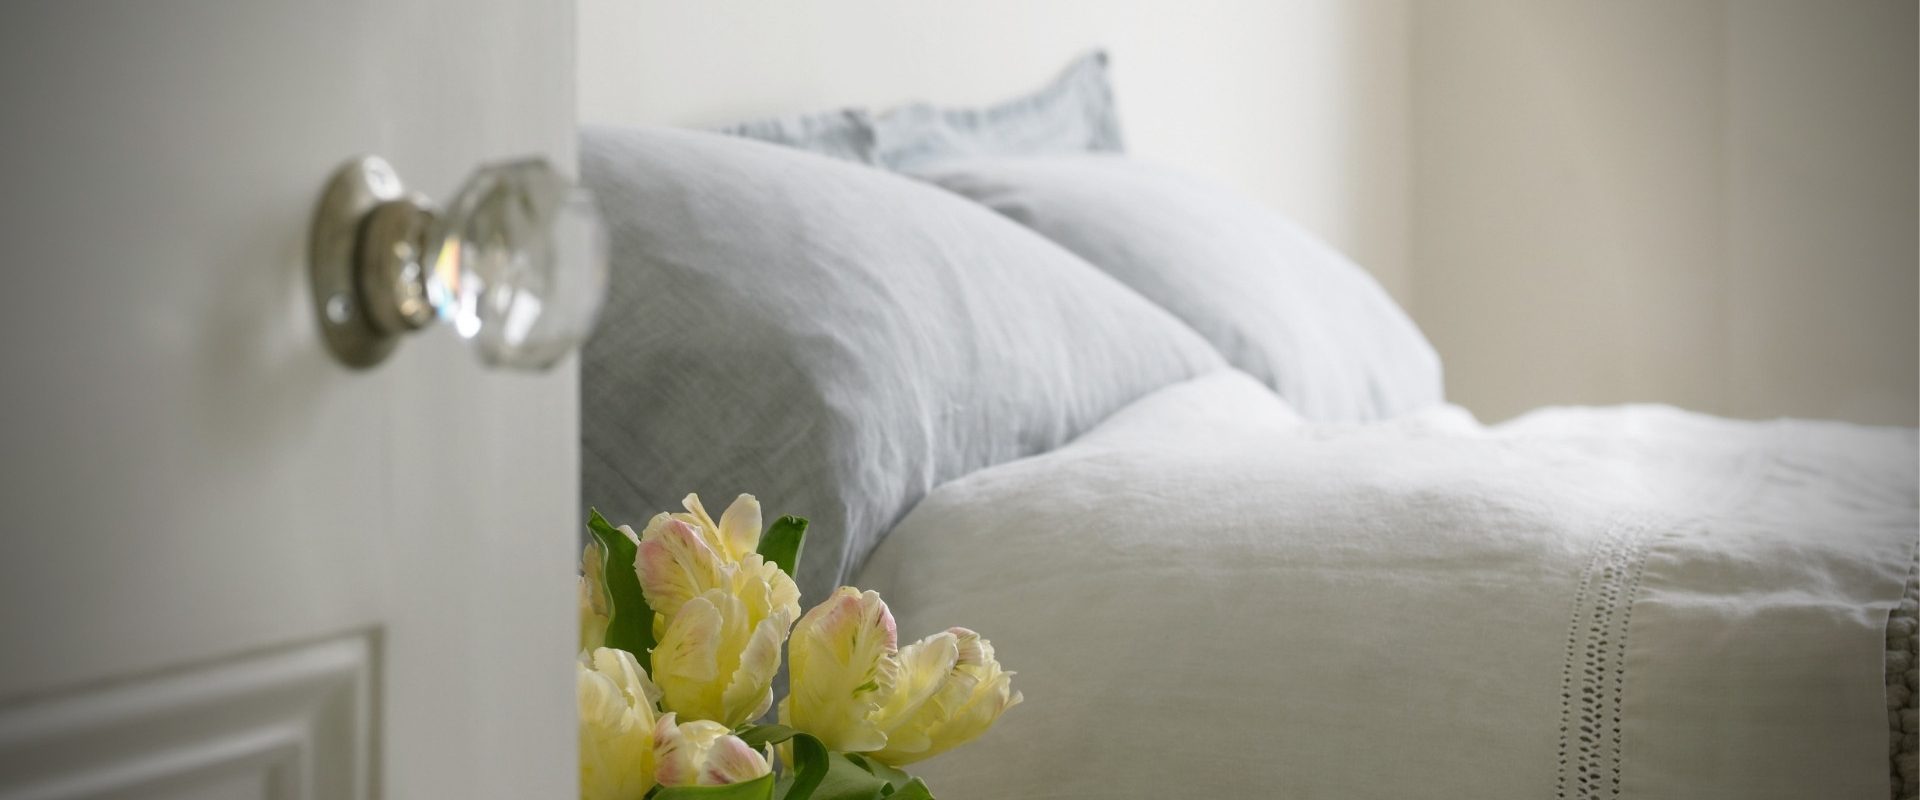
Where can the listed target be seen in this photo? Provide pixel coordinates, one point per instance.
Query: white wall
(1701, 202)
(1302, 104)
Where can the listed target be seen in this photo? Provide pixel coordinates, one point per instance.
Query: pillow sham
(836, 339)
(845, 134)
(1073, 114)
(1277, 301)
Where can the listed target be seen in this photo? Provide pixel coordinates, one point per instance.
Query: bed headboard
(1301, 104)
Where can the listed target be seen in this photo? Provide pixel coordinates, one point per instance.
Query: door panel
(286, 725)
(188, 477)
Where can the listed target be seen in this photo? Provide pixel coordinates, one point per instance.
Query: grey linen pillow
(1277, 301)
(846, 134)
(1073, 114)
(834, 339)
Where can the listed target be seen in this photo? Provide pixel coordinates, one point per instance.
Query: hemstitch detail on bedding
(1593, 678)
(1903, 683)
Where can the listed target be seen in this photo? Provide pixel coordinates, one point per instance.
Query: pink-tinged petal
(740, 527)
(675, 565)
(690, 649)
(732, 761)
(702, 753)
(842, 661)
(673, 765)
(971, 650)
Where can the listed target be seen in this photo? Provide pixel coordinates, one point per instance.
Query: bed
(1194, 473)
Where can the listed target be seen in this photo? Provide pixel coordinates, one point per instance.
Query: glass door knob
(516, 264)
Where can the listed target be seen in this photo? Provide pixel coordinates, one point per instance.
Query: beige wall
(1698, 202)
(1302, 104)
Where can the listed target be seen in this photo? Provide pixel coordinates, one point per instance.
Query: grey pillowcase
(834, 339)
(1073, 114)
(846, 134)
(1276, 301)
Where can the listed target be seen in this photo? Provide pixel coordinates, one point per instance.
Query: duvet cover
(1209, 597)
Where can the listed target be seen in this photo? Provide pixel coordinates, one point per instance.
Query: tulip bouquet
(681, 628)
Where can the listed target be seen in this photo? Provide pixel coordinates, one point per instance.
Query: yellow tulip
(950, 690)
(703, 753)
(595, 607)
(718, 657)
(755, 575)
(616, 726)
(735, 536)
(720, 622)
(677, 562)
(841, 663)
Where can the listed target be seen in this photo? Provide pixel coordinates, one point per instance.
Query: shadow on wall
(1710, 204)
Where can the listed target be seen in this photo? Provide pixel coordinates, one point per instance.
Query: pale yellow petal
(924, 669)
(781, 594)
(716, 662)
(749, 691)
(686, 664)
(740, 527)
(971, 698)
(616, 735)
(595, 607)
(841, 660)
(697, 515)
(593, 624)
(624, 670)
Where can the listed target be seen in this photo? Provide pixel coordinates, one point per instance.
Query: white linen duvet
(1208, 597)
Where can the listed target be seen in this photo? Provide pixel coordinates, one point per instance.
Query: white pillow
(835, 339)
(1277, 301)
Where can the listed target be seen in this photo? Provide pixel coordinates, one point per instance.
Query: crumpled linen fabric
(1209, 597)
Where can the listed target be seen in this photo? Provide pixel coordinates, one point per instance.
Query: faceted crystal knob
(519, 264)
(516, 265)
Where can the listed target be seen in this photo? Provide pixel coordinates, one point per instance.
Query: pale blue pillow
(835, 339)
(845, 134)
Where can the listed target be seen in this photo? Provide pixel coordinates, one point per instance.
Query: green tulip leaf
(758, 736)
(851, 776)
(894, 776)
(782, 542)
(809, 765)
(914, 789)
(760, 788)
(630, 626)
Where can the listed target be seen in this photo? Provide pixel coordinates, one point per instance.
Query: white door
(232, 568)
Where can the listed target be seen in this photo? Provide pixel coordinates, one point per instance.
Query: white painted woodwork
(288, 725)
(190, 482)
